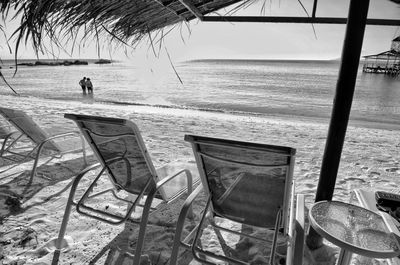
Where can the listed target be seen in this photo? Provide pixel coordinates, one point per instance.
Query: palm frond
(124, 21)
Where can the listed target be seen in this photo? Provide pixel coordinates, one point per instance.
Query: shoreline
(364, 122)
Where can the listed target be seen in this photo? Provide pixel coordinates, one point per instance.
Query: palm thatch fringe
(121, 21)
(125, 22)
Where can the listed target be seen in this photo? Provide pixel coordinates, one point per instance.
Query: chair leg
(142, 227)
(186, 209)
(146, 212)
(64, 224)
(35, 165)
(189, 190)
(36, 162)
(83, 149)
(299, 227)
(198, 233)
(273, 248)
(67, 213)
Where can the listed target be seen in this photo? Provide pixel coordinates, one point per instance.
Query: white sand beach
(370, 159)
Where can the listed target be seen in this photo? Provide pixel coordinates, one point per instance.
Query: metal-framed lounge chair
(124, 159)
(248, 183)
(41, 144)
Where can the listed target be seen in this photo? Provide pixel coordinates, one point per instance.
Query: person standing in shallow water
(82, 83)
(89, 85)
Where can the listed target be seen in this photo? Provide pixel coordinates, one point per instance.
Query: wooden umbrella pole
(345, 87)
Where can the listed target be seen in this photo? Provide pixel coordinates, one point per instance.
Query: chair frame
(294, 228)
(13, 137)
(38, 147)
(153, 186)
(8, 135)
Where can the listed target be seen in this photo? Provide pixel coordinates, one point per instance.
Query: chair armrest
(153, 190)
(147, 206)
(366, 199)
(56, 148)
(48, 139)
(168, 178)
(71, 202)
(78, 178)
(299, 230)
(62, 135)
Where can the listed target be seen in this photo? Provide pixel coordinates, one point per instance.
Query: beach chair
(250, 184)
(40, 143)
(366, 199)
(123, 157)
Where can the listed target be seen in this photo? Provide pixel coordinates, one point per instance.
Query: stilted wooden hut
(387, 62)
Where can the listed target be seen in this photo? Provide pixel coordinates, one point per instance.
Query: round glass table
(354, 229)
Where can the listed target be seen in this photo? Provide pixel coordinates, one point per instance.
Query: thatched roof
(127, 21)
(122, 21)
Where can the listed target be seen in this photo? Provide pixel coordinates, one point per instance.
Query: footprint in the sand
(50, 246)
(392, 169)
(374, 173)
(309, 185)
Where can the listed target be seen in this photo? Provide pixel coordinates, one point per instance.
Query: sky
(208, 40)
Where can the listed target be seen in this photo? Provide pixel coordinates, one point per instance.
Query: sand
(31, 212)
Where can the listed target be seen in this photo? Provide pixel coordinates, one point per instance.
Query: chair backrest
(248, 182)
(119, 147)
(23, 123)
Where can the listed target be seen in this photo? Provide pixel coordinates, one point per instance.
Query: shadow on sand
(159, 239)
(21, 187)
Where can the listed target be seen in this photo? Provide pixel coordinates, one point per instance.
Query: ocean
(249, 87)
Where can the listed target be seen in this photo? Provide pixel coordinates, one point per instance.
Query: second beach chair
(250, 184)
(125, 161)
(36, 142)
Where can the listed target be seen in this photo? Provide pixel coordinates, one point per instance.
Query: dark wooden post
(314, 9)
(345, 86)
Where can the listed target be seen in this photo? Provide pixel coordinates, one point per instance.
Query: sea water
(250, 87)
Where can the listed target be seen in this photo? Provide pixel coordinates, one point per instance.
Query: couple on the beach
(86, 83)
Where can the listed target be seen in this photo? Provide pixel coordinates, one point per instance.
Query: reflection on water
(304, 88)
(383, 90)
